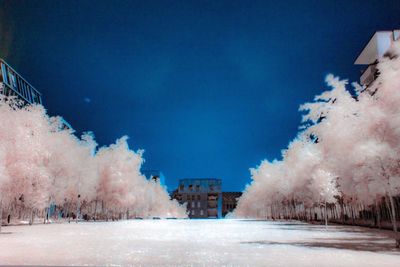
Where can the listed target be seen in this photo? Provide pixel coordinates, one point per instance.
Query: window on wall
(35, 97)
(13, 79)
(198, 204)
(201, 212)
(4, 72)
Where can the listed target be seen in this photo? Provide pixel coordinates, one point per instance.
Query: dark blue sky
(207, 88)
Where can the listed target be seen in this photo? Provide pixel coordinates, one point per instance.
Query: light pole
(78, 206)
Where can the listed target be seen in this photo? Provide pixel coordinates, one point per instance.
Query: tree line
(45, 170)
(344, 164)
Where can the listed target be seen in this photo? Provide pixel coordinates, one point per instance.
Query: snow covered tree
(42, 164)
(344, 161)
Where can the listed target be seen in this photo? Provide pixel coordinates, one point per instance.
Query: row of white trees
(345, 162)
(42, 165)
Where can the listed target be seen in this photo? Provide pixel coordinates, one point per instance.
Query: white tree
(348, 151)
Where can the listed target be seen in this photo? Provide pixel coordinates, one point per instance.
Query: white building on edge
(13, 84)
(375, 49)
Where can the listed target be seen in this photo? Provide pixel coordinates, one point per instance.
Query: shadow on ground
(330, 228)
(369, 244)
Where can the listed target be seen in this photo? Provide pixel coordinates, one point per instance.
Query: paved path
(196, 243)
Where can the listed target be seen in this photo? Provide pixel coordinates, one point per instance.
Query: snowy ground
(196, 243)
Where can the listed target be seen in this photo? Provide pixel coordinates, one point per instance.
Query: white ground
(196, 243)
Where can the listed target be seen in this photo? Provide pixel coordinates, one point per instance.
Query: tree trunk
(78, 204)
(394, 220)
(342, 212)
(31, 217)
(46, 215)
(393, 213)
(352, 214)
(95, 210)
(1, 214)
(378, 214)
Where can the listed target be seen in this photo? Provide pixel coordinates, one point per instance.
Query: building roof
(202, 179)
(232, 193)
(377, 46)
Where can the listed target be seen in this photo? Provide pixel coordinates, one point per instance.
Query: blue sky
(206, 88)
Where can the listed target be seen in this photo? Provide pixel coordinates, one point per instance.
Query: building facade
(203, 197)
(376, 48)
(229, 201)
(13, 84)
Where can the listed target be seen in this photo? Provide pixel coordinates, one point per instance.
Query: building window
(198, 204)
(13, 81)
(201, 212)
(198, 197)
(193, 204)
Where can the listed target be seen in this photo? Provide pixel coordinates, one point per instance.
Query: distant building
(229, 201)
(13, 84)
(203, 197)
(154, 175)
(376, 48)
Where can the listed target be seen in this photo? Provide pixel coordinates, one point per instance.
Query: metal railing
(15, 84)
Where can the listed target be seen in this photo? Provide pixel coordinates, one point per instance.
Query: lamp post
(78, 206)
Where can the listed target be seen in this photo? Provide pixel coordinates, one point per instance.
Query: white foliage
(41, 164)
(349, 149)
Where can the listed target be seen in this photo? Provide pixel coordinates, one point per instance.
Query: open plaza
(196, 243)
